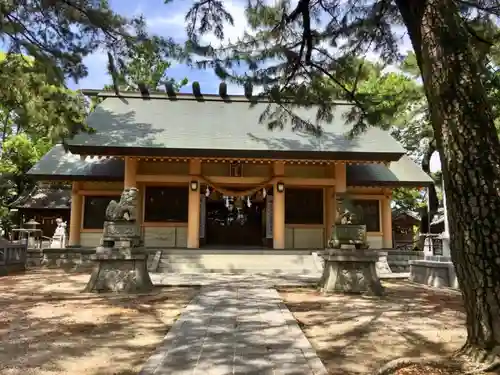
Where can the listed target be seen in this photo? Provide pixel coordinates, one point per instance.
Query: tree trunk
(470, 155)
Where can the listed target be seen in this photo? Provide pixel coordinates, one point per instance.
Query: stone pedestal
(120, 270)
(120, 262)
(435, 271)
(351, 271)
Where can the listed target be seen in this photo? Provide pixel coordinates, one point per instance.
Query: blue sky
(166, 20)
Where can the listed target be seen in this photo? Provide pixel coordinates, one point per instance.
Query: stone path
(221, 280)
(235, 330)
(263, 280)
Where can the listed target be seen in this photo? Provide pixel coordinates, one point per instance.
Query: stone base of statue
(351, 271)
(120, 263)
(120, 271)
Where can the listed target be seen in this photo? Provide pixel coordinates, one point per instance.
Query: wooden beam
(180, 179)
(100, 192)
(279, 168)
(163, 178)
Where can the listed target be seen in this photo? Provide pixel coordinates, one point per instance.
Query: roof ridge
(163, 95)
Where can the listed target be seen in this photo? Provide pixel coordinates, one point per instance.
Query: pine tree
(58, 34)
(454, 44)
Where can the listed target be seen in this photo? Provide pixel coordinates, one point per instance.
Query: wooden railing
(12, 258)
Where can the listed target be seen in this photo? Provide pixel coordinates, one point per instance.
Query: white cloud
(98, 75)
(174, 24)
(171, 25)
(231, 32)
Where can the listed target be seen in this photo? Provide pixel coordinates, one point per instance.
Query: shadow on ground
(356, 335)
(238, 329)
(49, 327)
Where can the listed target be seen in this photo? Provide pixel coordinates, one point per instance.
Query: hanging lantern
(264, 193)
(258, 196)
(239, 203)
(214, 195)
(249, 202)
(207, 192)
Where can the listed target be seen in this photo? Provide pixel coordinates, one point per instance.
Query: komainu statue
(125, 209)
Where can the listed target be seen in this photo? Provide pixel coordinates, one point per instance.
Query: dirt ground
(357, 335)
(48, 327)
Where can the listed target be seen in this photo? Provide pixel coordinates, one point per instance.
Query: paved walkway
(262, 280)
(222, 280)
(235, 330)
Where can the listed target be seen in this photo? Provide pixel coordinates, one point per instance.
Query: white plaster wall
(304, 238)
(153, 237)
(165, 236)
(375, 242)
(92, 239)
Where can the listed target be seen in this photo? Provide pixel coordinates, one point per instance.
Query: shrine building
(211, 174)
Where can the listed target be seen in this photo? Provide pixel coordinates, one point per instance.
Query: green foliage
(20, 152)
(33, 116)
(47, 41)
(408, 199)
(313, 52)
(293, 47)
(29, 104)
(146, 63)
(58, 34)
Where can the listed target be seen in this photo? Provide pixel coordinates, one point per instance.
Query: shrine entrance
(238, 221)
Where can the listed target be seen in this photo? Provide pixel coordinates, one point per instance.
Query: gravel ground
(356, 335)
(49, 327)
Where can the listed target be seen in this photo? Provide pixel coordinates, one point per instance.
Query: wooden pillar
(193, 231)
(130, 178)
(130, 181)
(140, 206)
(329, 207)
(76, 214)
(278, 208)
(386, 222)
(340, 178)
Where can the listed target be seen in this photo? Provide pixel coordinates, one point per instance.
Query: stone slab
(235, 330)
(270, 281)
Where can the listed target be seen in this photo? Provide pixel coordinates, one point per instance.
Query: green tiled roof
(59, 165)
(44, 197)
(403, 172)
(189, 127)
